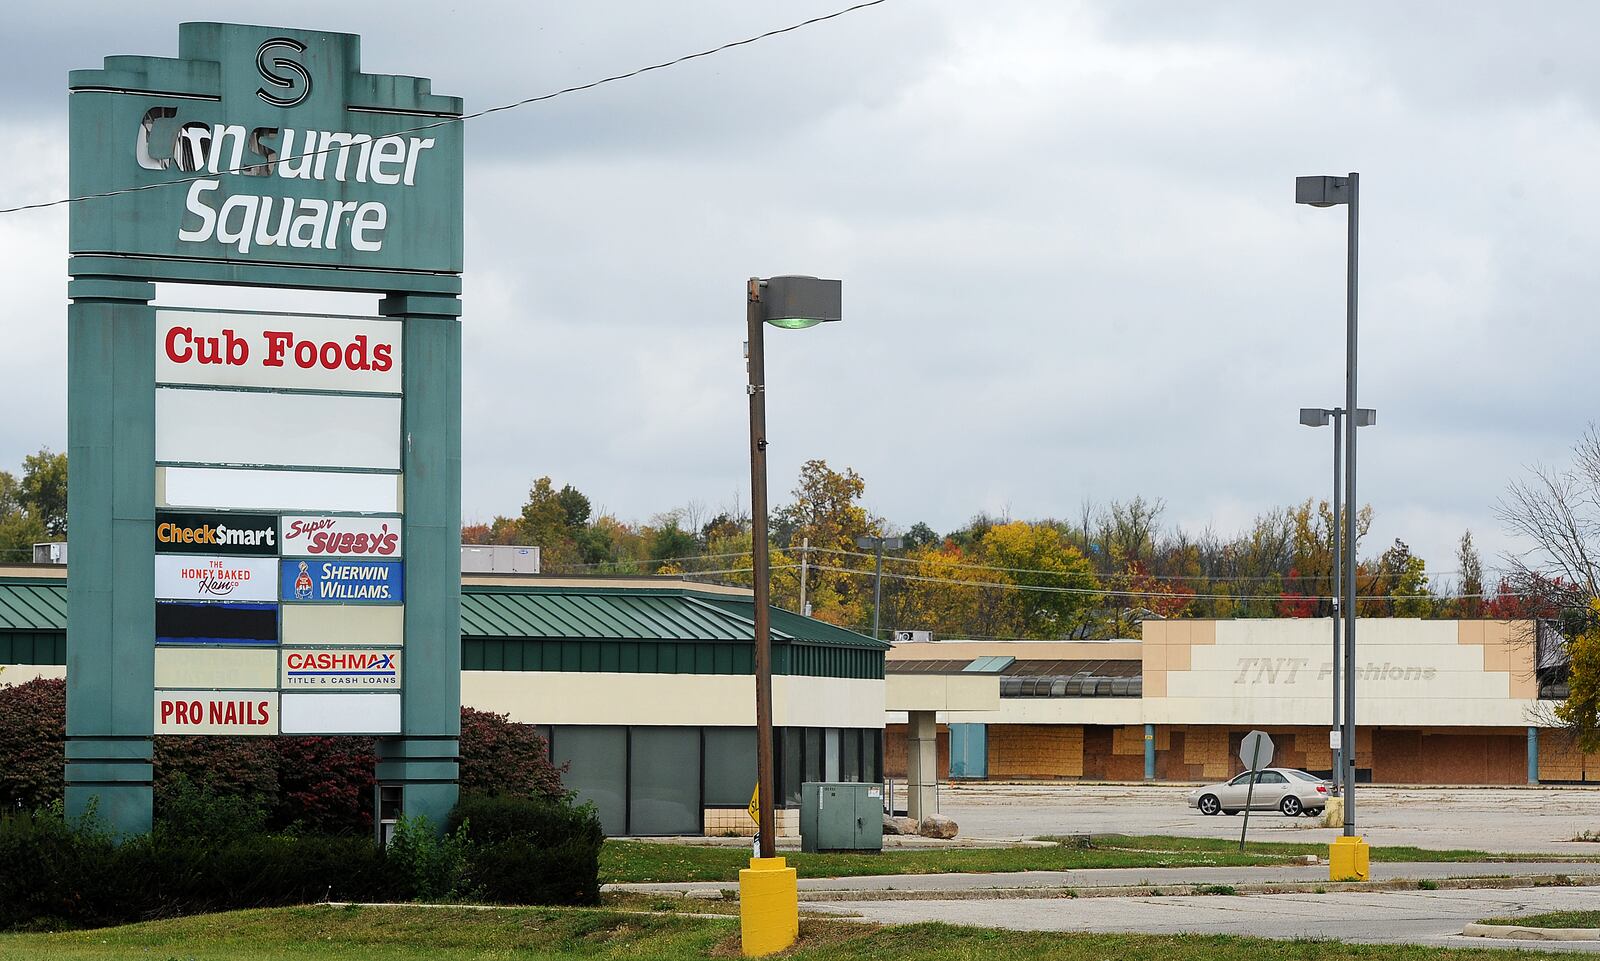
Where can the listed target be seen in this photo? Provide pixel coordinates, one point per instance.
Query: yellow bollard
(769, 907)
(1347, 859)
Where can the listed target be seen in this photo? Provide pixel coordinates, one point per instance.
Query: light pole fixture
(1320, 417)
(878, 544)
(792, 303)
(1326, 191)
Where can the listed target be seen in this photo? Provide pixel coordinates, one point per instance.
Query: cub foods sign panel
(333, 172)
(217, 349)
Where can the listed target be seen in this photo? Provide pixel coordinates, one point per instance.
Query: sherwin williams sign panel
(299, 490)
(250, 625)
(200, 578)
(216, 533)
(335, 174)
(200, 426)
(347, 670)
(288, 351)
(344, 582)
(324, 536)
(216, 712)
(341, 713)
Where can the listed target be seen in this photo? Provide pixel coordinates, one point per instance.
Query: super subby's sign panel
(213, 348)
(341, 670)
(204, 578)
(327, 536)
(343, 582)
(334, 173)
(216, 712)
(216, 533)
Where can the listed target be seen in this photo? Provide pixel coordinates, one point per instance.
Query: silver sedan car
(1276, 789)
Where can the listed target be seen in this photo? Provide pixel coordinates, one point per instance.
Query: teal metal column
(1149, 752)
(423, 760)
(1533, 755)
(111, 629)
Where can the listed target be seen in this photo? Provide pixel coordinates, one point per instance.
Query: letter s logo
(279, 80)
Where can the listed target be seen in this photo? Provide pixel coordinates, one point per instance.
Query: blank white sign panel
(340, 714)
(287, 490)
(289, 430)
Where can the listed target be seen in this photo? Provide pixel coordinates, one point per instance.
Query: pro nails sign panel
(289, 352)
(200, 578)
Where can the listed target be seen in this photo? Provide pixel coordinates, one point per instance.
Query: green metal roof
(642, 614)
(37, 605)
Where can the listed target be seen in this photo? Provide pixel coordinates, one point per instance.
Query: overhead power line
(577, 88)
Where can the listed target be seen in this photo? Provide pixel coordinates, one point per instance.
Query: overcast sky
(1072, 264)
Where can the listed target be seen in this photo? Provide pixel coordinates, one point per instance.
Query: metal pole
(1348, 736)
(877, 589)
(1250, 792)
(805, 564)
(758, 552)
(1336, 774)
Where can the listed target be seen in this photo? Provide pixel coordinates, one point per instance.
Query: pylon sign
(264, 506)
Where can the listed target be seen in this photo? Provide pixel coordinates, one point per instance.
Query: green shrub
(531, 851)
(53, 869)
(432, 868)
(198, 812)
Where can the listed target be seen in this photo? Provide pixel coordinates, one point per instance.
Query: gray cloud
(1073, 268)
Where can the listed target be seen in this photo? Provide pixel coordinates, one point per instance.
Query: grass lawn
(557, 934)
(1554, 919)
(622, 861)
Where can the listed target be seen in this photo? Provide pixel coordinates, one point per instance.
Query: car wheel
(1291, 806)
(1209, 805)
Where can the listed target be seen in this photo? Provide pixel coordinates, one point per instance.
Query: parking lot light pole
(878, 544)
(790, 303)
(1320, 417)
(1324, 191)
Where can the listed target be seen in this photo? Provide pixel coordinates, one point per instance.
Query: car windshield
(1303, 776)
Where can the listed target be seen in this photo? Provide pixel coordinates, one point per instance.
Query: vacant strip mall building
(645, 689)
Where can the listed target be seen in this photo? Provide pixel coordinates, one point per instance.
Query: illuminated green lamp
(796, 302)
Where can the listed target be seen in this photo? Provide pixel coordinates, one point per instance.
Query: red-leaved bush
(320, 784)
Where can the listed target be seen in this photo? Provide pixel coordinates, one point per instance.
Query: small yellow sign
(755, 804)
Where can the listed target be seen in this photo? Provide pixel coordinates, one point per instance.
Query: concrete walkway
(977, 885)
(1410, 917)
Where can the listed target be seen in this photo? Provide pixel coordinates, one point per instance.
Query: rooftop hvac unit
(912, 637)
(499, 559)
(54, 552)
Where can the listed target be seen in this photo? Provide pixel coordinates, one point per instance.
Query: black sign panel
(216, 532)
(246, 624)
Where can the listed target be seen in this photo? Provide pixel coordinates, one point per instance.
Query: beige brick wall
(722, 822)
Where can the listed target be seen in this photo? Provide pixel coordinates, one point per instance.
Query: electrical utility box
(841, 816)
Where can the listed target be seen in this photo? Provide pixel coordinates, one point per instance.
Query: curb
(1184, 889)
(1515, 932)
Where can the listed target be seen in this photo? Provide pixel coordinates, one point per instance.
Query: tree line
(1093, 576)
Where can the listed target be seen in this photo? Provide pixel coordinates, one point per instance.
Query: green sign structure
(264, 507)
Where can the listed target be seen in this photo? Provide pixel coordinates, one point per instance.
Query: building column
(1533, 755)
(922, 764)
(1149, 752)
(111, 612)
(423, 760)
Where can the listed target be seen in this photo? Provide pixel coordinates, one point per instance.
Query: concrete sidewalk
(1406, 917)
(969, 886)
